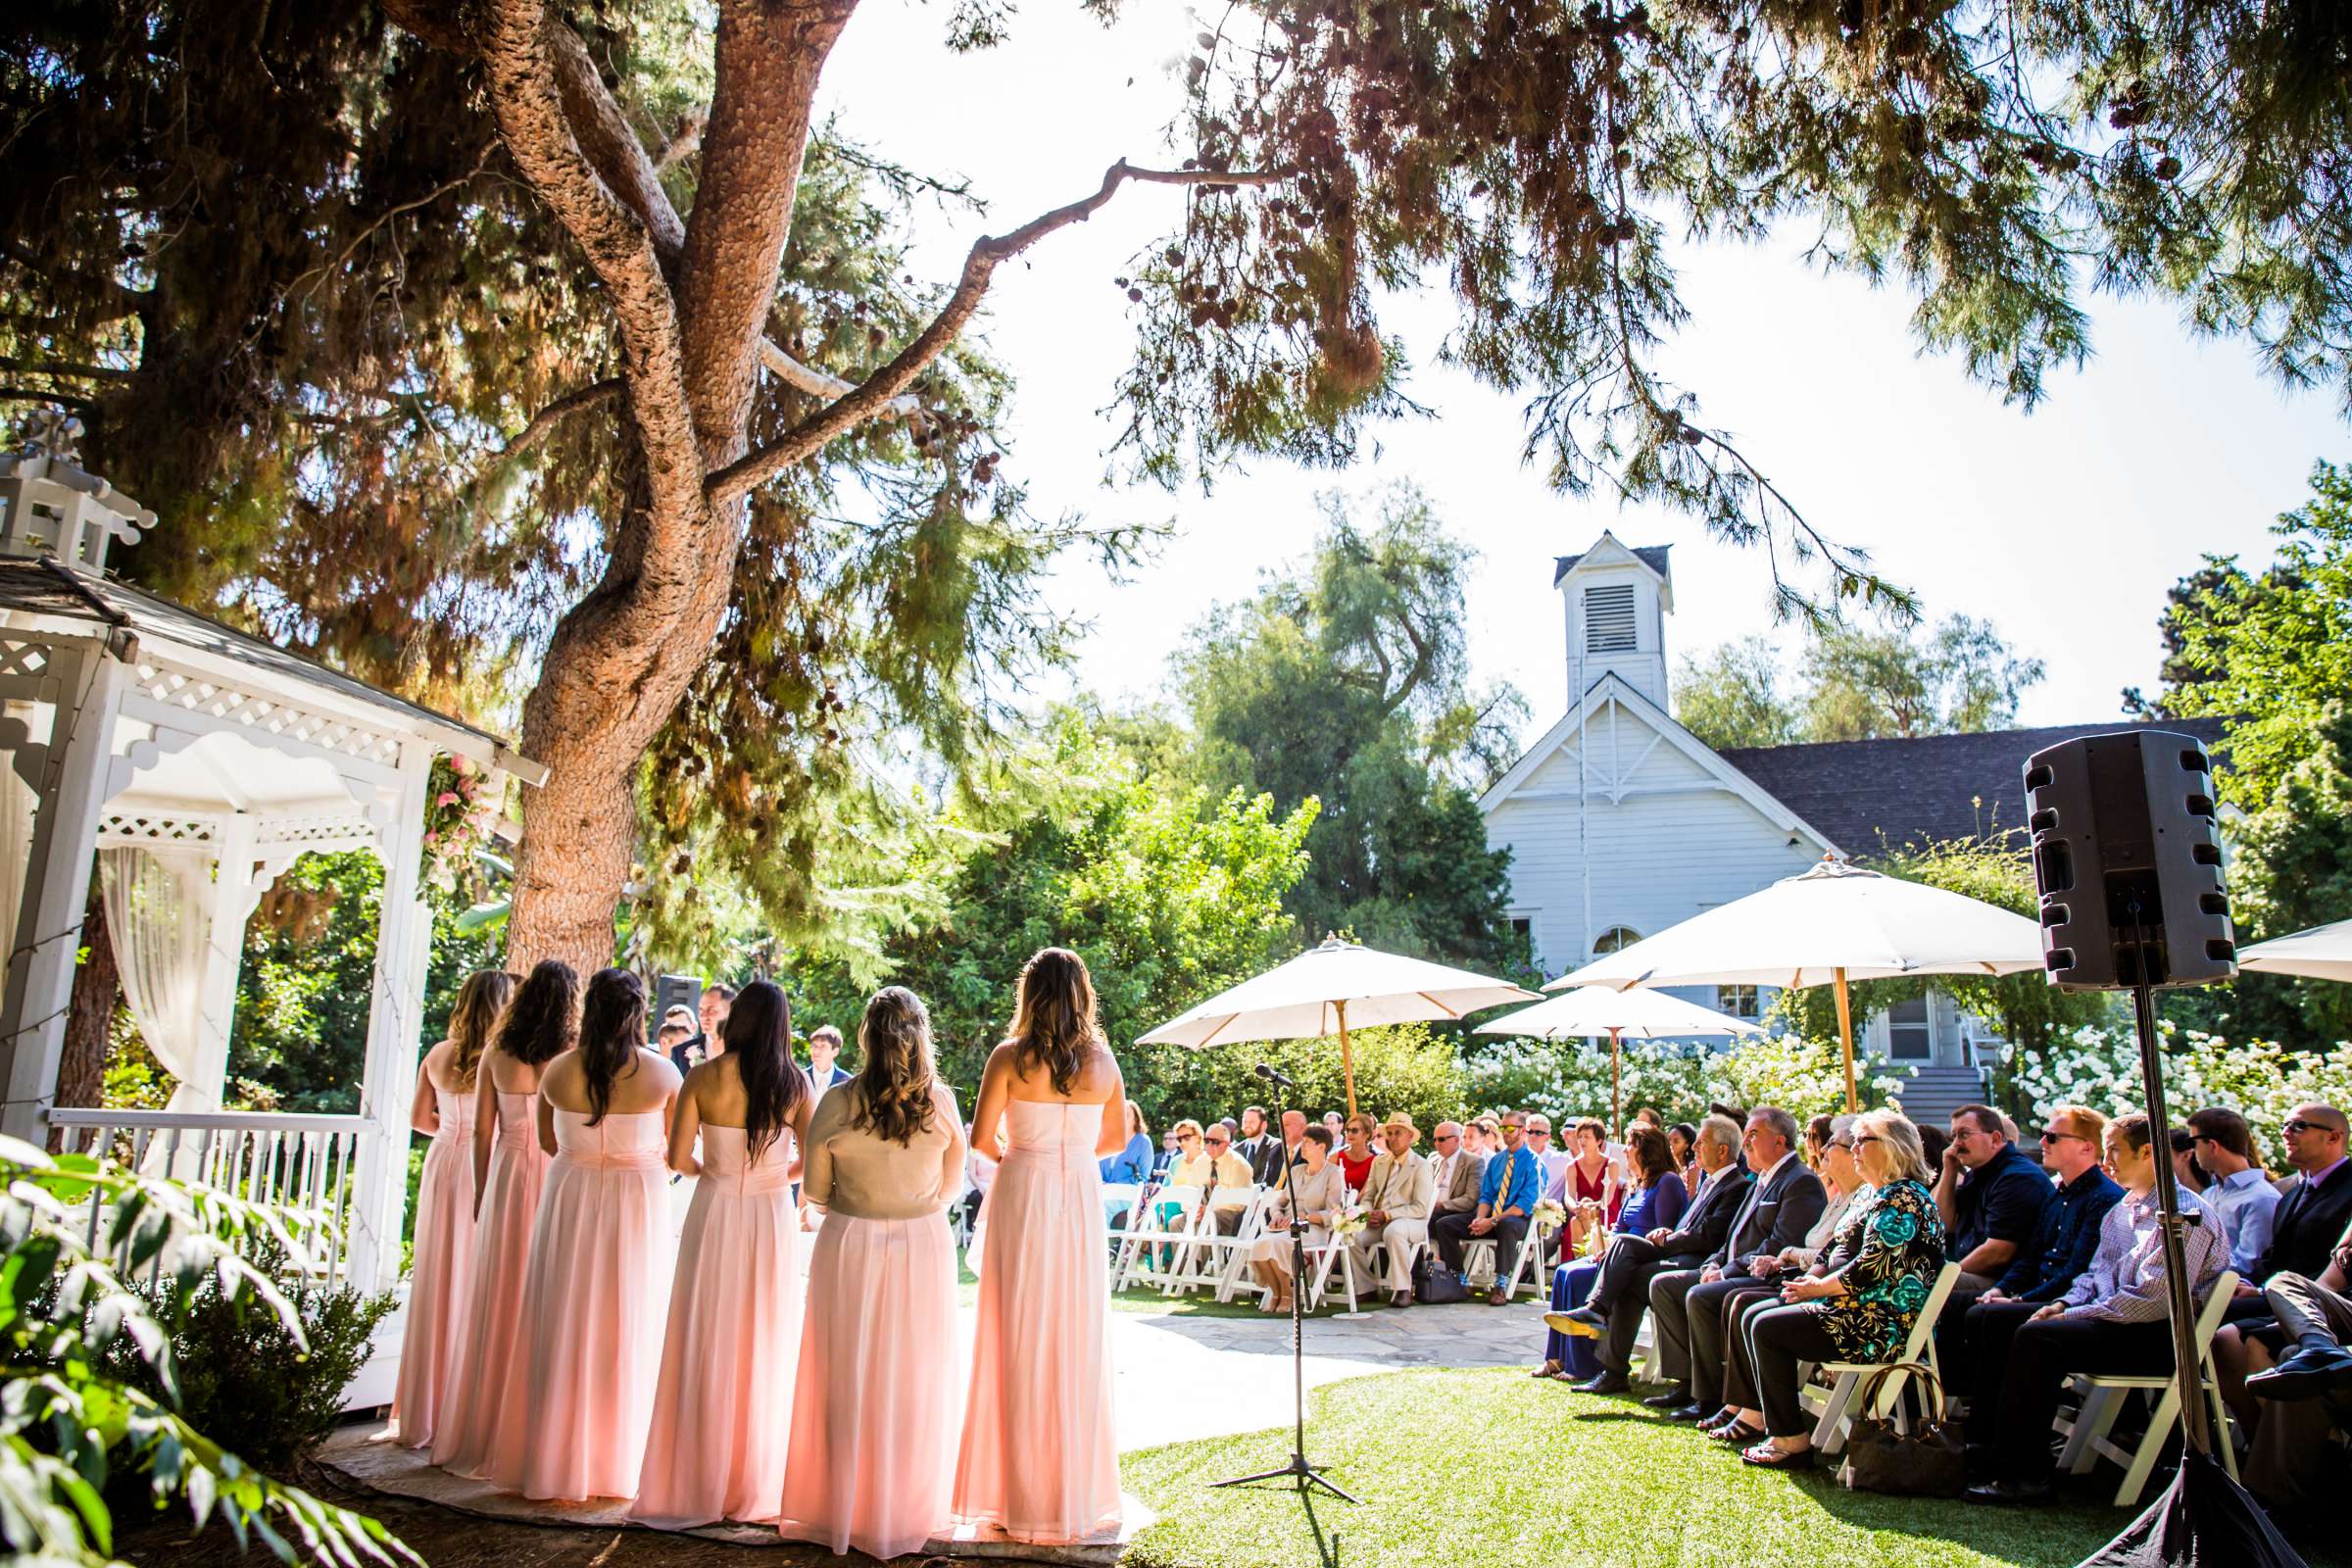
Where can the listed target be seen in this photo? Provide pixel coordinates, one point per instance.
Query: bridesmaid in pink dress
(509, 1166)
(722, 1409)
(597, 1292)
(874, 1416)
(441, 1273)
(1039, 1460)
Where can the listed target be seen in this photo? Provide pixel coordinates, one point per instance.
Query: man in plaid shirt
(2112, 1320)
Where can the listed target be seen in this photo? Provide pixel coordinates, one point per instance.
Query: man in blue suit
(824, 1067)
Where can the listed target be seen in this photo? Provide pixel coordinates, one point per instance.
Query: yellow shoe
(1562, 1323)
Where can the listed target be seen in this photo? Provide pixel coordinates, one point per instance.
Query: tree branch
(65, 367)
(521, 53)
(868, 397)
(537, 428)
(34, 394)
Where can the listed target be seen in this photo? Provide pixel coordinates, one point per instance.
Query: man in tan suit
(1397, 1194)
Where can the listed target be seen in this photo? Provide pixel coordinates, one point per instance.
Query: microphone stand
(1299, 1469)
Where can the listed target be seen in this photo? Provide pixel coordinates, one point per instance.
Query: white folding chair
(1149, 1254)
(1323, 1255)
(2104, 1395)
(1836, 1400)
(1207, 1259)
(1477, 1261)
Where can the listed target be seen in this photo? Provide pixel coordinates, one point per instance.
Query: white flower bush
(2098, 1067)
(1569, 1080)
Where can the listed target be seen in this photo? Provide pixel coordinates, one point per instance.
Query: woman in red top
(1356, 1159)
(1595, 1196)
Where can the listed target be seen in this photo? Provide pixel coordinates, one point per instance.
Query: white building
(1621, 822)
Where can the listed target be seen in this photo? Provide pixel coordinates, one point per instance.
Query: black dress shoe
(1673, 1398)
(1687, 1412)
(2009, 1492)
(2306, 1374)
(1608, 1383)
(1598, 1322)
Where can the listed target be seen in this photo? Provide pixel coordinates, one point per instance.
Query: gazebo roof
(51, 589)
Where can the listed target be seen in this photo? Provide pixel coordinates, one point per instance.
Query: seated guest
(1221, 1174)
(1133, 1163)
(1682, 1140)
(1356, 1159)
(1259, 1146)
(1612, 1312)
(1992, 1196)
(2187, 1172)
(1742, 1420)
(1507, 1193)
(1686, 1306)
(1170, 1151)
(1454, 1172)
(1396, 1196)
(2071, 1147)
(1933, 1142)
(1656, 1201)
(2113, 1319)
(1315, 1193)
(1881, 1270)
(1589, 1190)
(1337, 1125)
(2300, 1396)
(2239, 1193)
(1818, 1132)
(1553, 1161)
(2310, 1216)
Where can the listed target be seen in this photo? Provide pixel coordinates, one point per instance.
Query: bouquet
(1549, 1215)
(1347, 1221)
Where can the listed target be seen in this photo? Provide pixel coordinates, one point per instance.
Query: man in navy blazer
(1612, 1313)
(1686, 1304)
(824, 1069)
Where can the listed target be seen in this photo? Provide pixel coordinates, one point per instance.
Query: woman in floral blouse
(1880, 1269)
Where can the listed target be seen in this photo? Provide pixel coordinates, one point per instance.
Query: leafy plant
(1568, 1078)
(69, 1424)
(2099, 1067)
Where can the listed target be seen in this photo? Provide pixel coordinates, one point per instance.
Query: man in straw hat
(1397, 1197)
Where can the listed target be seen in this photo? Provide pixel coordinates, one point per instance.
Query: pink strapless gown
(440, 1274)
(1038, 1459)
(489, 1358)
(594, 1300)
(722, 1410)
(875, 1411)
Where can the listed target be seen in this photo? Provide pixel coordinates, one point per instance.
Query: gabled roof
(1871, 795)
(52, 588)
(1611, 685)
(1652, 556)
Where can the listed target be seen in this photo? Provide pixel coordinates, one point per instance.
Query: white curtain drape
(17, 803)
(159, 912)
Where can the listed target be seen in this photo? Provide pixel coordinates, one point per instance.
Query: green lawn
(1459, 1469)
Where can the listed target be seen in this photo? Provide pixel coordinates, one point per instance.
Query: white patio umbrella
(2323, 952)
(1329, 990)
(1590, 1011)
(1835, 923)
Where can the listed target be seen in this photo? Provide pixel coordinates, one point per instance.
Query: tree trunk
(81, 1070)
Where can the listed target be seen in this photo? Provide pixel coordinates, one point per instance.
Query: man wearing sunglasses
(2305, 1225)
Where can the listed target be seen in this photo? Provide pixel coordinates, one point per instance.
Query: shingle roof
(1869, 796)
(1652, 556)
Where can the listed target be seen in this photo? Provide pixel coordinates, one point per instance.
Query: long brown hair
(1054, 1024)
(475, 1017)
(1646, 1148)
(895, 1039)
(758, 1037)
(543, 1019)
(611, 1033)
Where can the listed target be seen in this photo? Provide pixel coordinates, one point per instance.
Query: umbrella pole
(1346, 1057)
(1845, 1042)
(1616, 1107)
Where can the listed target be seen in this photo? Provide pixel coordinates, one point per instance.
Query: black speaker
(2127, 859)
(675, 990)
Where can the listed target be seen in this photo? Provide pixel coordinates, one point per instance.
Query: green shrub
(250, 1384)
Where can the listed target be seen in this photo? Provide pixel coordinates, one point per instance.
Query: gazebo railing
(306, 1164)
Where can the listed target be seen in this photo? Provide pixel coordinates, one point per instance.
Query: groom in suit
(1686, 1304)
(825, 1068)
(1612, 1313)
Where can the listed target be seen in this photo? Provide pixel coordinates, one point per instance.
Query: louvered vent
(1609, 618)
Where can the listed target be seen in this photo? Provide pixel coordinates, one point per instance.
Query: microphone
(1275, 1075)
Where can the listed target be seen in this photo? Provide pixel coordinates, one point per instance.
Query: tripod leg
(1314, 1478)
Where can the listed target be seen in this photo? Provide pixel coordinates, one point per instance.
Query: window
(1910, 1033)
(1609, 618)
(1616, 938)
(1739, 1002)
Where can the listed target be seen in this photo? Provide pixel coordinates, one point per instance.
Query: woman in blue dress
(1656, 1201)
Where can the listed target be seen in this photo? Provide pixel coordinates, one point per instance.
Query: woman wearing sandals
(1317, 1192)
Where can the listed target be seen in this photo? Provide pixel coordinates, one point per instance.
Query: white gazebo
(187, 765)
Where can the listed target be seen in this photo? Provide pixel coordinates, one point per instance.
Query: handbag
(1928, 1461)
(1434, 1285)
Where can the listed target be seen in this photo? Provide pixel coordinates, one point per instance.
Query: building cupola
(1616, 601)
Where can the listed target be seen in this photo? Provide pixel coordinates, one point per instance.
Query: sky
(2064, 526)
